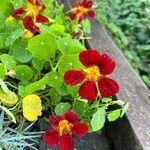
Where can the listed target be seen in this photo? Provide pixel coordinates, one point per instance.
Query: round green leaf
(62, 108)
(54, 79)
(98, 119)
(114, 115)
(73, 90)
(8, 61)
(43, 46)
(75, 49)
(23, 72)
(55, 96)
(57, 29)
(69, 62)
(64, 44)
(35, 86)
(2, 71)
(20, 51)
(14, 35)
(37, 63)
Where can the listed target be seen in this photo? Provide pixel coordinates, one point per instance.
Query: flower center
(33, 10)
(92, 73)
(81, 9)
(64, 126)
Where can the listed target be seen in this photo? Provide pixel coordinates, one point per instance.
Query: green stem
(51, 65)
(55, 68)
(13, 86)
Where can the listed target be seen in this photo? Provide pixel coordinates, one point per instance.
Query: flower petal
(35, 30)
(88, 90)
(91, 14)
(87, 4)
(89, 57)
(66, 142)
(71, 117)
(107, 87)
(73, 77)
(17, 13)
(54, 121)
(73, 16)
(37, 3)
(51, 137)
(80, 129)
(106, 64)
(28, 23)
(42, 19)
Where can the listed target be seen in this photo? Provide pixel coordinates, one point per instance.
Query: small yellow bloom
(8, 99)
(32, 107)
(27, 34)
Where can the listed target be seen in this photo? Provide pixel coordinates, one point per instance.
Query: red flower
(64, 127)
(82, 10)
(33, 17)
(93, 77)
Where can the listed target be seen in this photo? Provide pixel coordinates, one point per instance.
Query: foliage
(16, 138)
(34, 57)
(128, 23)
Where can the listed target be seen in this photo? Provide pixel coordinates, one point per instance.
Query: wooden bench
(133, 131)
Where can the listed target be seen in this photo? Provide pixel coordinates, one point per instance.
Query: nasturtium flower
(82, 10)
(63, 128)
(32, 18)
(93, 76)
(32, 107)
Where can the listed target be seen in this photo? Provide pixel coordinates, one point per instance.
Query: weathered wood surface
(132, 90)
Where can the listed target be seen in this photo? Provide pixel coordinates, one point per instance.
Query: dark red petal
(83, 3)
(106, 64)
(54, 121)
(17, 13)
(80, 19)
(89, 57)
(51, 137)
(42, 19)
(66, 142)
(80, 129)
(35, 30)
(88, 90)
(39, 2)
(28, 23)
(73, 16)
(107, 87)
(71, 117)
(88, 4)
(91, 14)
(73, 77)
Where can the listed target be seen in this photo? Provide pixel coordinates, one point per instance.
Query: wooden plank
(132, 89)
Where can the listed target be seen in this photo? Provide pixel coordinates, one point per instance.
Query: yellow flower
(8, 99)
(32, 107)
(27, 35)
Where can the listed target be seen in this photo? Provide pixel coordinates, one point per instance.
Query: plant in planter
(46, 70)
